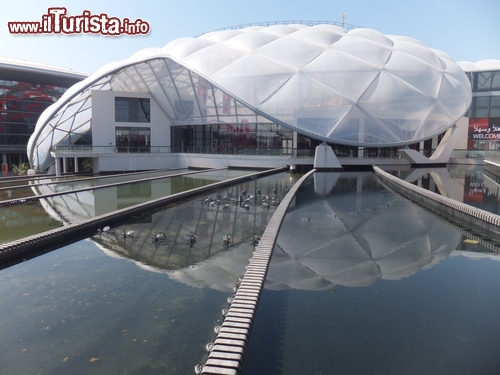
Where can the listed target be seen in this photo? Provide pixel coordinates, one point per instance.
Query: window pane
(495, 82)
(482, 106)
(495, 106)
(484, 81)
(132, 109)
(132, 139)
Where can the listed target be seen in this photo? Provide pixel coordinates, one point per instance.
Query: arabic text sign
(484, 129)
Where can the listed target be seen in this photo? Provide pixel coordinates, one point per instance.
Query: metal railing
(492, 156)
(344, 25)
(110, 149)
(340, 152)
(263, 151)
(469, 154)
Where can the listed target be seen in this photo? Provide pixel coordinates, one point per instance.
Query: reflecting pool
(475, 185)
(79, 311)
(18, 221)
(115, 305)
(363, 282)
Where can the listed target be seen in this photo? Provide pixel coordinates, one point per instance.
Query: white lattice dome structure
(359, 88)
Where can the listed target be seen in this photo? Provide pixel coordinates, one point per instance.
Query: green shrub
(20, 169)
(88, 164)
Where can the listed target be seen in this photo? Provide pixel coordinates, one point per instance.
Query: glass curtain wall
(248, 138)
(484, 112)
(133, 139)
(207, 120)
(21, 103)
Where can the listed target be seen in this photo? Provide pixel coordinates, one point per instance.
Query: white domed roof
(480, 66)
(359, 88)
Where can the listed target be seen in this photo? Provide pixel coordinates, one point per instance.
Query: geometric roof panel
(321, 81)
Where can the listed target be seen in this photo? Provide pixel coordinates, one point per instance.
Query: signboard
(484, 129)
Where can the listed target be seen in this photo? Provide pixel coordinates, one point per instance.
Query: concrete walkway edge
(227, 351)
(482, 220)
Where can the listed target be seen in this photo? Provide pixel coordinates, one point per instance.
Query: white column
(76, 165)
(58, 167)
(65, 165)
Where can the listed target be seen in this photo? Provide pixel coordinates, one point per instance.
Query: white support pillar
(95, 166)
(65, 165)
(325, 158)
(440, 156)
(76, 165)
(57, 162)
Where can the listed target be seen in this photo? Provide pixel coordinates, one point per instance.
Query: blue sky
(467, 30)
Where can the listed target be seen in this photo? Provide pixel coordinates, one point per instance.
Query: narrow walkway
(227, 351)
(33, 198)
(482, 220)
(65, 179)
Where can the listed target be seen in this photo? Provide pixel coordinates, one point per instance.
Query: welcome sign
(484, 129)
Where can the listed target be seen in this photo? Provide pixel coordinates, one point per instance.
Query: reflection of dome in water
(356, 248)
(323, 242)
(209, 224)
(349, 250)
(219, 271)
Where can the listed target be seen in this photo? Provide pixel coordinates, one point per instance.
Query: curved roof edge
(26, 71)
(480, 66)
(33, 67)
(75, 90)
(344, 25)
(141, 56)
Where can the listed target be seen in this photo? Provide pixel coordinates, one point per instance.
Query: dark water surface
(363, 282)
(114, 305)
(21, 220)
(77, 311)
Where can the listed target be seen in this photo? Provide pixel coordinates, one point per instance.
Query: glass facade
(21, 104)
(484, 111)
(485, 81)
(485, 106)
(133, 139)
(248, 138)
(132, 110)
(252, 87)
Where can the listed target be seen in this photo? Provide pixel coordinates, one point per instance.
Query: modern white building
(259, 95)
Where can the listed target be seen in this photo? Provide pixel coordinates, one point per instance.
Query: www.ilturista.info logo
(56, 21)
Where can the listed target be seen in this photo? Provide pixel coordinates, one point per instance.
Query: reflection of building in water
(208, 262)
(75, 207)
(208, 222)
(209, 218)
(475, 186)
(332, 235)
(342, 229)
(354, 240)
(78, 206)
